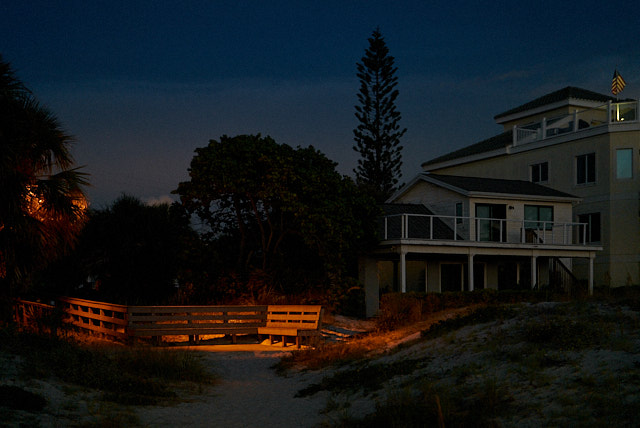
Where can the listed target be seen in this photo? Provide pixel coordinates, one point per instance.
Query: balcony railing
(473, 229)
(579, 120)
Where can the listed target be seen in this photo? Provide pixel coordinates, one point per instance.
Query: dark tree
(378, 134)
(283, 211)
(129, 253)
(42, 205)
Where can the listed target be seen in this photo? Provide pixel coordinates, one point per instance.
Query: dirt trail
(248, 394)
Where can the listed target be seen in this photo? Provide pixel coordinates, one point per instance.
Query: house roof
(557, 96)
(501, 141)
(494, 143)
(487, 186)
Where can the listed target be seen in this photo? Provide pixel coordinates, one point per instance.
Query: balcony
(422, 227)
(610, 113)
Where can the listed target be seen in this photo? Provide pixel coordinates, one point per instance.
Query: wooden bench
(292, 320)
(194, 321)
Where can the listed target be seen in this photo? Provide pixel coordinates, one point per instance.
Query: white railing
(455, 228)
(580, 119)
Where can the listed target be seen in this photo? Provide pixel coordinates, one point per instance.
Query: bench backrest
(196, 316)
(302, 317)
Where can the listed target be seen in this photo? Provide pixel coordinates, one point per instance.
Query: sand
(249, 394)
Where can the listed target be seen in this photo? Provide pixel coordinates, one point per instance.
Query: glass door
(490, 224)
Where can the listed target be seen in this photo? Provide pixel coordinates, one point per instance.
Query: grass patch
(480, 315)
(574, 327)
(367, 376)
(432, 406)
(325, 354)
(124, 375)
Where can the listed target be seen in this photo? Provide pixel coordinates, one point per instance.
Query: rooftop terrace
(605, 114)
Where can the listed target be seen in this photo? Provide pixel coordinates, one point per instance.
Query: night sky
(141, 84)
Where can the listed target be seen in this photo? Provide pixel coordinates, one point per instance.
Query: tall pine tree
(378, 135)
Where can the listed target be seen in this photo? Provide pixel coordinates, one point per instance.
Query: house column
(534, 271)
(470, 271)
(369, 277)
(591, 256)
(403, 270)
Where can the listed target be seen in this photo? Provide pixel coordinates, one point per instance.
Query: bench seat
(292, 321)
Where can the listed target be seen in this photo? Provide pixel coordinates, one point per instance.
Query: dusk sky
(142, 84)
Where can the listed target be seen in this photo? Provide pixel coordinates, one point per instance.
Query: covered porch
(443, 265)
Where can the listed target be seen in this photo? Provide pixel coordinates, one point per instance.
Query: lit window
(624, 163)
(586, 168)
(540, 172)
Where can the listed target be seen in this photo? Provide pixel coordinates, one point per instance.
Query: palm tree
(42, 203)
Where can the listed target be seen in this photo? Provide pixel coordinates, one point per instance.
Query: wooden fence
(96, 317)
(125, 323)
(33, 316)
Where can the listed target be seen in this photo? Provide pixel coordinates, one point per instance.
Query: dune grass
(137, 375)
(565, 364)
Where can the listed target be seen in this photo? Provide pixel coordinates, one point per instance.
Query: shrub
(397, 310)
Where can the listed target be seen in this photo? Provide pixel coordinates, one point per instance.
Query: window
(540, 172)
(624, 163)
(593, 226)
(459, 213)
(538, 217)
(586, 168)
(490, 224)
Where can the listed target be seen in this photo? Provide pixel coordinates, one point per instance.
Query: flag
(617, 84)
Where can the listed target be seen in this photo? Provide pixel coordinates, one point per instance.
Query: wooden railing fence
(33, 316)
(97, 317)
(126, 323)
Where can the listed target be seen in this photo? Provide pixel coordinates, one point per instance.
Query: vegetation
(398, 309)
(128, 253)
(563, 364)
(138, 375)
(494, 364)
(378, 134)
(281, 215)
(42, 205)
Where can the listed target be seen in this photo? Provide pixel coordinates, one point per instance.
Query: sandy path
(249, 394)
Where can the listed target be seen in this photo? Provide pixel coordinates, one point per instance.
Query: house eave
(576, 102)
(537, 198)
(494, 195)
(427, 167)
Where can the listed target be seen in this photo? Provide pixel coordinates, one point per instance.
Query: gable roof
(420, 227)
(475, 186)
(392, 209)
(570, 92)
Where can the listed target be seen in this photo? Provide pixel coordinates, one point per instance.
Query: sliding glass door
(489, 225)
